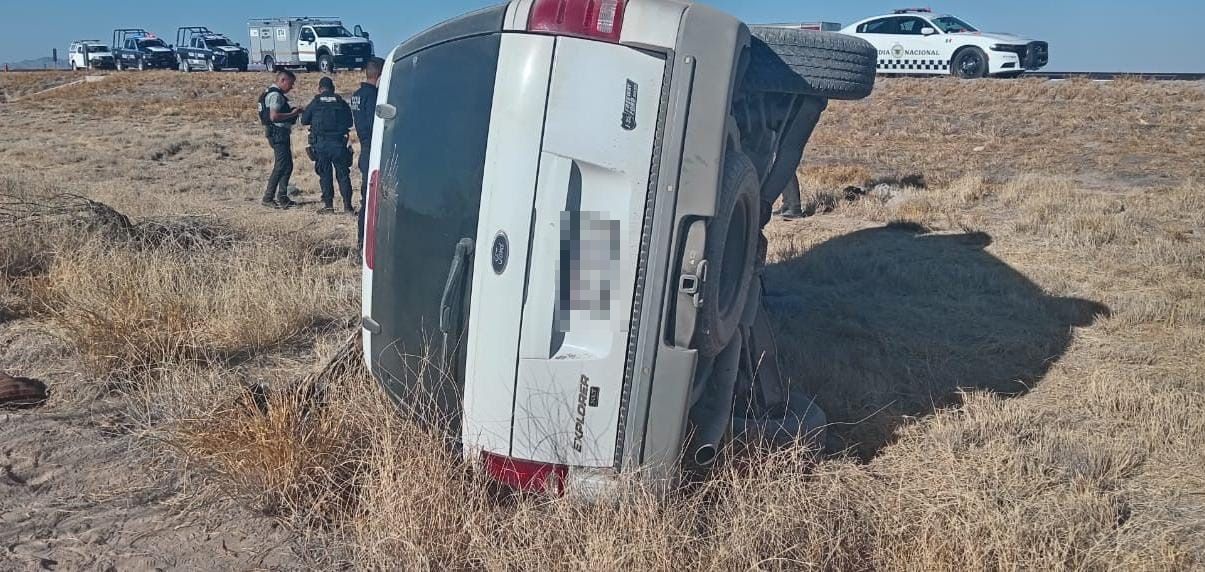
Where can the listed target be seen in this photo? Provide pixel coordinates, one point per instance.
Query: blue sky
(1085, 35)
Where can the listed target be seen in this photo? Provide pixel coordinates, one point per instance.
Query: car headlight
(336, 49)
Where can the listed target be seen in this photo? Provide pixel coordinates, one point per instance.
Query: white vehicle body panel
(550, 392)
(378, 139)
(508, 193)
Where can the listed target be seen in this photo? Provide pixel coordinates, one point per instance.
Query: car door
(922, 46)
(307, 41)
(901, 45)
(881, 33)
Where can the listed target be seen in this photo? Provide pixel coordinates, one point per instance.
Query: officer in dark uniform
(792, 206)
(363, 108)
(278, 118)
(329, 118)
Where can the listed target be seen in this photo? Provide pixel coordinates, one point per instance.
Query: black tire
(270, 64)
(326, 63)
(183, 64)
(733, 236)
(209, 66)
(242, 68)
(969, 63)
(117, 65)
(821, 64)
(141, 64)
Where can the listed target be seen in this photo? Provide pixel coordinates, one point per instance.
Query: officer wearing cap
(329, 118)
(363, 108)
(278, 117)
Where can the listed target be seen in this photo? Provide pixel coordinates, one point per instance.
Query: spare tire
(733, 237)
(803, 62)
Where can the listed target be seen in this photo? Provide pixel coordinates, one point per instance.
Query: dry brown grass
(1013, 355)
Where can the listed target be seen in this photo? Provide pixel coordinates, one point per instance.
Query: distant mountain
(43, 63)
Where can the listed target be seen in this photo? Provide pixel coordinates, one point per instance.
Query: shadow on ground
(888, 324)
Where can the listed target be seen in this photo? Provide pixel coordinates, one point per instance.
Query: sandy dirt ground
(78, 491)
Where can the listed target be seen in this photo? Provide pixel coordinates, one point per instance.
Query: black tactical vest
(265, 114)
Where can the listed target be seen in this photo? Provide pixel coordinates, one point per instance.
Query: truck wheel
(326, 64)
(731, 252)
(210, 66)
(270, 64)
(184, 67)
(803, 62)
(117, 65)
(141, 64)
(970, 63)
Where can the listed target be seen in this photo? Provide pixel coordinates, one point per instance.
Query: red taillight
(526, 476)
(370, 220)
(598, 19)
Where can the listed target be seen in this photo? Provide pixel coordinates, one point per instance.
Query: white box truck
(316, 44)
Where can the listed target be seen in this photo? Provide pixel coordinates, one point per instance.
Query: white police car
(917, 41)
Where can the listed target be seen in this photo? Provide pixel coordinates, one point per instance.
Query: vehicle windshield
(97, 48)
(952, 25)
(218, 43)
(332, 32)
(152, 43)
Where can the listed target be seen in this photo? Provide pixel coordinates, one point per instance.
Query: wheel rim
(325, 65)
(970, 65)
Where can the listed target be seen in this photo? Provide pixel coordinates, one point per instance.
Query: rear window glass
(432, 169)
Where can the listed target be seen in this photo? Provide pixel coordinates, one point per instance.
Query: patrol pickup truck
(916, 41)
(139, 49)
(89, 55)
(199, 48)
(321, 44)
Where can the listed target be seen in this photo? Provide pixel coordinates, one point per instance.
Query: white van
(563, 249)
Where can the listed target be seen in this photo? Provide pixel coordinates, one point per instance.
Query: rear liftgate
(556, 264)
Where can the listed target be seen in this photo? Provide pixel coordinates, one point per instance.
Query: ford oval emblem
(500, 253)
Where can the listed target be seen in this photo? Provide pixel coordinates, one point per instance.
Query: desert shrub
(129, 309)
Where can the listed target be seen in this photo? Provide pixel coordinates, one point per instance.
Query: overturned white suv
(563, 240)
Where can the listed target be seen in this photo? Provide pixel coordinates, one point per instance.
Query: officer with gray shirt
(278, 118)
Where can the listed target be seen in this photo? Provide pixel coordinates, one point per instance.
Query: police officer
(329, 118)
(278, 118)
(363, 108)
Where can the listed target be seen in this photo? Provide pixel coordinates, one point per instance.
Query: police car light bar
(913, 11)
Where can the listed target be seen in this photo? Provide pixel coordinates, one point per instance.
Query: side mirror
(359, 32)
(927, 31)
